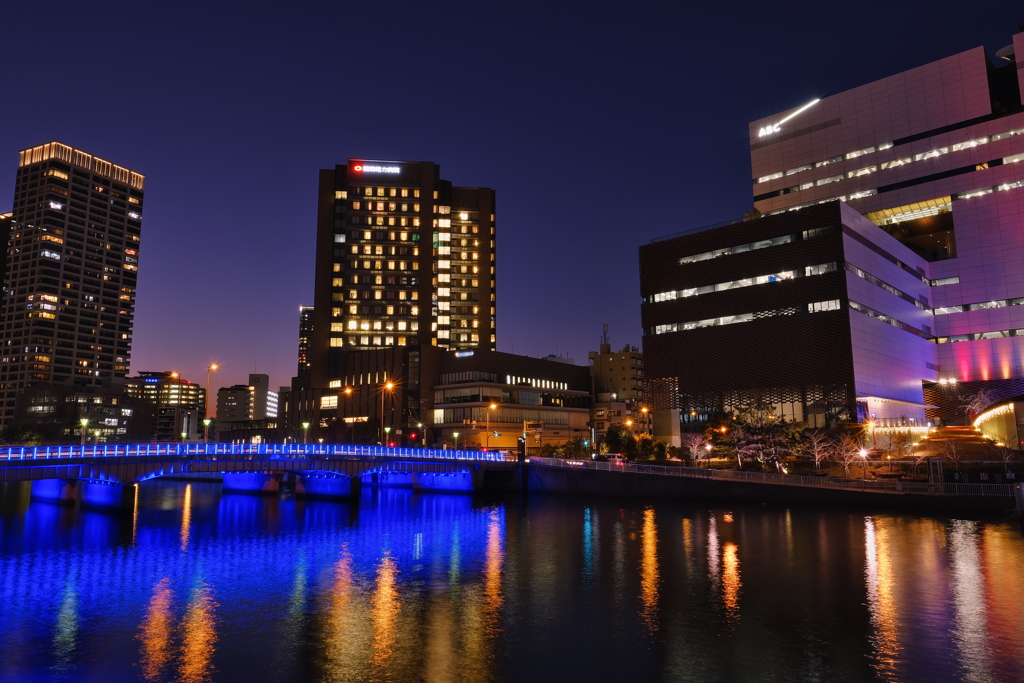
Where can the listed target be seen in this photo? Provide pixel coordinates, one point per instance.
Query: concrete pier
(325, 485)
(63, 491)
(106, 495)
(251, 482)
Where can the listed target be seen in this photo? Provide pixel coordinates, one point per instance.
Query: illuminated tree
(846, 451)
(818, 445)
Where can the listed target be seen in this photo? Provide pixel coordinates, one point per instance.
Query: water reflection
(198, 636)
(881, 598)
(65, 636)
(155, 633)
(186, 517)
(731, 581)
(494, 562)
(385, 609)
(649, 572)
(405, 586)
(968, 588)
(343, 637)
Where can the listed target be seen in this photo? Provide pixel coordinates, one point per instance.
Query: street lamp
(388, 385)
(708, 447)
(206, 430)
(423, 437)
(864, 461)
(184, 435)
(210, 368)
(487, 437)
(387, 435)
(305, 433)
(645, 410)
(348, 409)
(456, 435)
(85, 424)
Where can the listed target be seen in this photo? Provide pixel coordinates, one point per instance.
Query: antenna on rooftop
(604, 337)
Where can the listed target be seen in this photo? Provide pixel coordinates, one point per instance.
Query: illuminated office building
(177, 403)
(72, 263)
(879, 275)
(403, 258)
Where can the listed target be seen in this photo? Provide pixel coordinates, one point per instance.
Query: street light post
(206, 430)
(305, 433)
(487, 437)
(210, 368)
(387, 436)
(387, 386)
(456, 435)
(85, 425)
(864, 461)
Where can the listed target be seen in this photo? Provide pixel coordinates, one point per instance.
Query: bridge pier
(325, 485)
(106, 495)
(252, 482)
(443, 481)
(63, 491)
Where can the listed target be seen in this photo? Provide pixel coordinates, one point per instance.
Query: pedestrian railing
(193, 451)
(878, 486)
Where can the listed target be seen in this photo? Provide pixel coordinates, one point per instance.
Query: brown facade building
(403, 259)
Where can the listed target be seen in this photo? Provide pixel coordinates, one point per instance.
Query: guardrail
(186, 451)
(877, 486)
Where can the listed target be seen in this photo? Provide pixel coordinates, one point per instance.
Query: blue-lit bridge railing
(199, 451)
(877, 486)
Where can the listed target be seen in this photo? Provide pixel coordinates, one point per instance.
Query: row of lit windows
(380, 206)
(366, 340)
(995, 334)
(382, 192)
(760, 244)
(819, 269)
(382, 250)
(909, 298)
(382, 220)
(389, 325)
(871, 192)
(889, 320)
(868, 193)
(930, 154)
(380, 265)
(816, 307)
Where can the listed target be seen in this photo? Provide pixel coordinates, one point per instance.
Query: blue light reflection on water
(401, 586)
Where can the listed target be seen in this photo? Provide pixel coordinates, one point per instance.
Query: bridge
(105, 475)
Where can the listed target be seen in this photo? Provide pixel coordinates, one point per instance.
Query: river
(401, 586)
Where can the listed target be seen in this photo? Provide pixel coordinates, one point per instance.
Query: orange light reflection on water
(649, 574)
(155, 633)
(384, 613)
(880, 583)
(199, 635)
(731, 582)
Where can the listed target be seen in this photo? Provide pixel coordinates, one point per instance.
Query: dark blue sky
(600, 125)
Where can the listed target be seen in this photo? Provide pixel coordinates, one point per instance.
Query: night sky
(600, 125)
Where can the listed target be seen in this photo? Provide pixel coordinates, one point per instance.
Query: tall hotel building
(403, 258)
(880, 273)
(72, 262)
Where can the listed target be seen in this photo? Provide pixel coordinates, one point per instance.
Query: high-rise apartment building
(403, 258)
(305, 338)
(72, 263)
(881, 267)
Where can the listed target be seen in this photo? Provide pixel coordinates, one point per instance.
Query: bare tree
(694, 443)
(846, 451)
(1006, 454)
(818, 446)
(919, 456)
(977, 401)
(952, 450)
